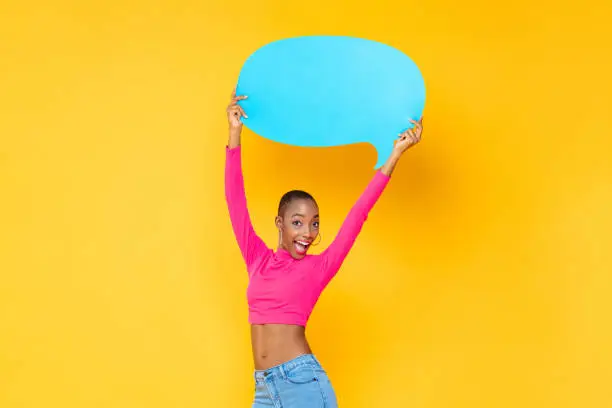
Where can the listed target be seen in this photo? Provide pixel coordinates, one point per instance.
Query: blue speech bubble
(321, 91)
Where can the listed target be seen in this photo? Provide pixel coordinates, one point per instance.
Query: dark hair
(290, 196)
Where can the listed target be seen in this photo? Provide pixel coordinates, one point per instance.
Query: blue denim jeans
(298, 383)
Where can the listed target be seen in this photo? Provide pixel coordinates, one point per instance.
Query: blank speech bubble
(322, 91)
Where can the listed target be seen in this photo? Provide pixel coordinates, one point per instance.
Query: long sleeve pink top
(282, 289)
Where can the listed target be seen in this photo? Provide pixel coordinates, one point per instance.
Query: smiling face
(298, 225)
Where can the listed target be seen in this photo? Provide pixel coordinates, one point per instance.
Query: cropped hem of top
(281, 289)
(281, 319)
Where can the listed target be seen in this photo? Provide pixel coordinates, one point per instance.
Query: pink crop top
(281, 289)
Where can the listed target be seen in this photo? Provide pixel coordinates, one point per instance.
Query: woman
(284, 285)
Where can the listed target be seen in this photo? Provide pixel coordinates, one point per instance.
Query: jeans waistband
(280, 370)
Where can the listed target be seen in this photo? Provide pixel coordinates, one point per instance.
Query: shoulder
(260, 260)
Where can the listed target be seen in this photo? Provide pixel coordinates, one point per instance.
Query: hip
(298, 383)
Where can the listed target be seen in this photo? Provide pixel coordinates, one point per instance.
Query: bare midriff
(275, 344)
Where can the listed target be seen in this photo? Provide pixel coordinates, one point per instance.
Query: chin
(298, 256)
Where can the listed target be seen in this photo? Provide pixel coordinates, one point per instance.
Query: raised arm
(335, 254)
(251, 246)
(337, 251)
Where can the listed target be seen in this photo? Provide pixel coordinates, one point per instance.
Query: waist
(279, 371)
(274, 344)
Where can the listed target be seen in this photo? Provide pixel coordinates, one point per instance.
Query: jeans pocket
(301, 375)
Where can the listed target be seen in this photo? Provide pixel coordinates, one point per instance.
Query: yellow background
(482, 279)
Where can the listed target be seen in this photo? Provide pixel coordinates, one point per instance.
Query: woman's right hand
(235, 112)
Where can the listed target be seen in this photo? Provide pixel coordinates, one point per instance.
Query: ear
(278, 221)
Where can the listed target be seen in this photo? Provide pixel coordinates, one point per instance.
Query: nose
(310, 233)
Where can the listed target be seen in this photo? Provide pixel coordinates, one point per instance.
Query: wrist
(395, 155)
(234, 137)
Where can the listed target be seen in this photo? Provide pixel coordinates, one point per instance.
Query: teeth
(303, 243)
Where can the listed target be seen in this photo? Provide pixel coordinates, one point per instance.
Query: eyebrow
(302, 215)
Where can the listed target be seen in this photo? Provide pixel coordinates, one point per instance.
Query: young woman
(285, 284)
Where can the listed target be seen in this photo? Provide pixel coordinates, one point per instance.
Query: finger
(233, 93)
(416, 124)
(235, 113)
(239, 98)
(242, 112)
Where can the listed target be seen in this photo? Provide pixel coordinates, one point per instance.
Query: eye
(297, 223)
(315, 224)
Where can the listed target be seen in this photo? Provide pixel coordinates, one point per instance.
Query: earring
(319, 240)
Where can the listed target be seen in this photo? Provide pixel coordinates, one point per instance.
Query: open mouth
(301, 246)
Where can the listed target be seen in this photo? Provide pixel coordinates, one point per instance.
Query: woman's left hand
(409, 138)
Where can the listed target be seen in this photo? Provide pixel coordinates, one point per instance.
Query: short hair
(291, 196)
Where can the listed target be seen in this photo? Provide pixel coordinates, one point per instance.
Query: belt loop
(282, 371)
